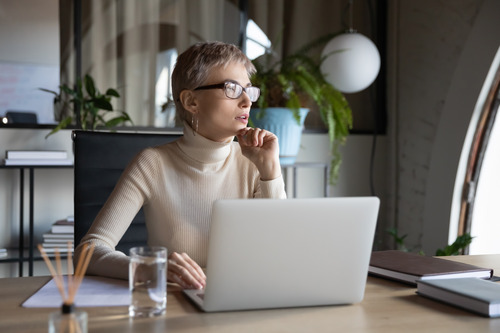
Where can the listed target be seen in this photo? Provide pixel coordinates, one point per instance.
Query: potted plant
(295, 82)
(87, 108)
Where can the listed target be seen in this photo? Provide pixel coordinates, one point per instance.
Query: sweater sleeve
(273, 189)
(131, 192)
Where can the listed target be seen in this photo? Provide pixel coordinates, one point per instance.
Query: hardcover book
(37, 161)
(477, 295)
(409, 267)
(36, 154)
(63, 226)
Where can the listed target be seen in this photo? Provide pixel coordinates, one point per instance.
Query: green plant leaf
(296, 81)
(456, 247)
(399, 240)
(63, 124)
(92, 105)
(89, 85)
(49, 91)
(116, 121)
(69, 91)
(102, 103)
(112, 92)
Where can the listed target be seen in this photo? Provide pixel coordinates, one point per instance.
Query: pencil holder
(68, 320)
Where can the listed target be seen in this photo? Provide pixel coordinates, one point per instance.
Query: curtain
(131, 45)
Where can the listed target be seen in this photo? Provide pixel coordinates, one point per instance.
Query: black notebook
(409, 267)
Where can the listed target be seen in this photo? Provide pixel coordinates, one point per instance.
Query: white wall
(354, 171)
(442, 203)
(36, 42)
(354, 175)
(439, 53)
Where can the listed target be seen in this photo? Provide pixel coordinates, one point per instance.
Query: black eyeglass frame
(223, 87)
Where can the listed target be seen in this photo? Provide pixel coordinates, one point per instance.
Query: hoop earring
(194, 124)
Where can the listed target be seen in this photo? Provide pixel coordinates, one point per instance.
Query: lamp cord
(351, 3)
(375, 116)
(349, 9)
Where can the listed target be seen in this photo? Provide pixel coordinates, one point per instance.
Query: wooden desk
(387, 307)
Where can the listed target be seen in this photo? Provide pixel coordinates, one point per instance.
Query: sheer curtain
(132, 46)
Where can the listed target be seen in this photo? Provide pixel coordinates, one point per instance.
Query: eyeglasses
(234, 90)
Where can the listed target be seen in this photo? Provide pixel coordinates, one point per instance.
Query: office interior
(412, 128)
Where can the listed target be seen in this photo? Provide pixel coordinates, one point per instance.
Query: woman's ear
(189, 101)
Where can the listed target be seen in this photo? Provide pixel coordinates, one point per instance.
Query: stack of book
(61, 232)
(459, 284)
(37, 157)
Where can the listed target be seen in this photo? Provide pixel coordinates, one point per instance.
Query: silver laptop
(271, 253)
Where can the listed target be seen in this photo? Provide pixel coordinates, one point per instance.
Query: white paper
(94, 291)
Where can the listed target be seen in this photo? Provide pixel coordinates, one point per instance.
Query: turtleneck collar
(202, 149)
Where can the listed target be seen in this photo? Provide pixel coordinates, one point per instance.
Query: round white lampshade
(352, 64)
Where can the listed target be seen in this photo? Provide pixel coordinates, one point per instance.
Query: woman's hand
(261, 147)
(185, 271)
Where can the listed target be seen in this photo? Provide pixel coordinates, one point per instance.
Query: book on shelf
(65, 226)
(409, 267)
(48, 237)
(61, 232)
(59, 245)
(473, 294)
(62, 249)
(36, 154)
(57, 240)
(3, 252)
(37, 162)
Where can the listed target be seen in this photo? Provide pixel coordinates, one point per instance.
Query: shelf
(31, 254)
(50, 166)
(13, 256)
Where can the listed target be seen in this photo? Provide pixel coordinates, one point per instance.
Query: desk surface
(388, 307)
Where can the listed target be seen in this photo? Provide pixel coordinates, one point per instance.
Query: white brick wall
(429, 39)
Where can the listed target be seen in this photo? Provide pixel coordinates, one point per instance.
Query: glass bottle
(68, 320)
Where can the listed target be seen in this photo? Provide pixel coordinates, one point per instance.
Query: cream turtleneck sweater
(176, 183)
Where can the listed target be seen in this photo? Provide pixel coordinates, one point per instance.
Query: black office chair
(100, 158)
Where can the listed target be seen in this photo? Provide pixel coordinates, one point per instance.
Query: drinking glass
(148, 281)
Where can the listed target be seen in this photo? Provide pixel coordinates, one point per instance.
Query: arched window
(257, 42)
(480, 208)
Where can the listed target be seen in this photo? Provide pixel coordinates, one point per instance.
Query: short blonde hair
(194, 65)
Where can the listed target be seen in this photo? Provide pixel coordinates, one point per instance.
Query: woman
(178, 182)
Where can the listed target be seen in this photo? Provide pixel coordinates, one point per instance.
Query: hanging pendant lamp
(352, 61)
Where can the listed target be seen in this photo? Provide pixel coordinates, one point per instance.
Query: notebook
(271, 253)
(409, 267)
(477, 295)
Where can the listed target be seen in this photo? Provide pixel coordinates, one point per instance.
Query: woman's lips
(243, 118)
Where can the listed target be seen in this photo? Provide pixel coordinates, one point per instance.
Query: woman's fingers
(253, 136)
(185, 271)
(195, 266)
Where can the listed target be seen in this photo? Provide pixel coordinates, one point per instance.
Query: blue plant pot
(281, 122)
